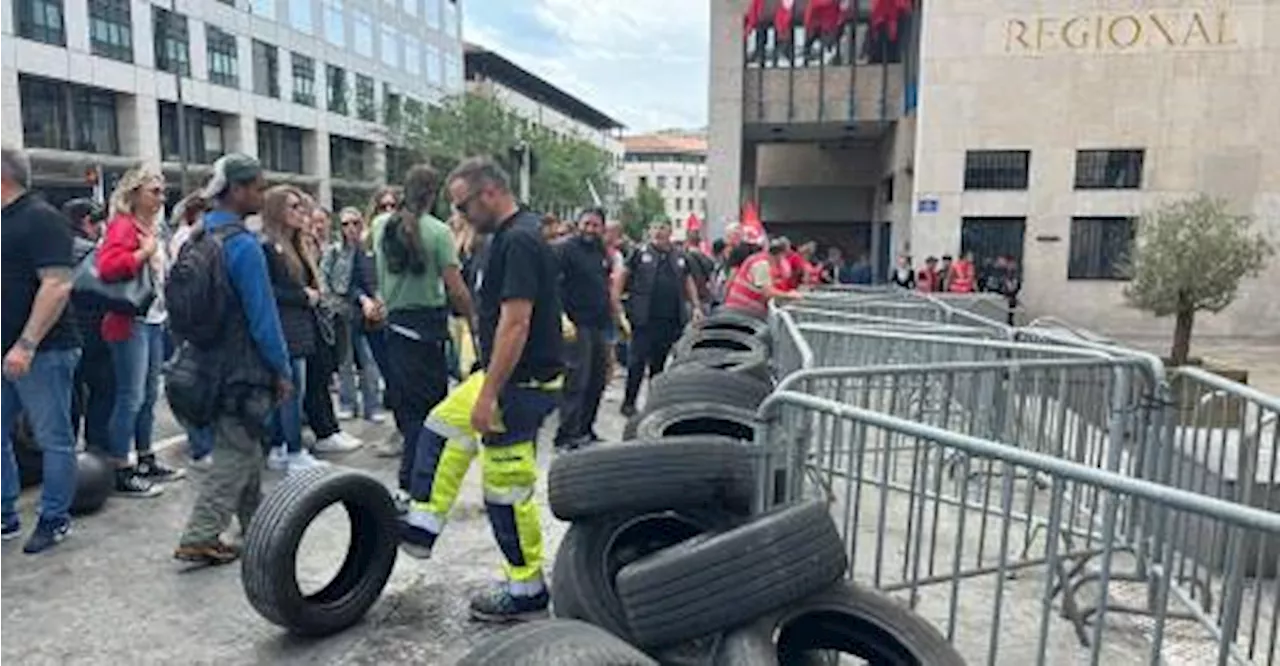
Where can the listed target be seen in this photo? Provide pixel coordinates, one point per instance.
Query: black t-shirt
(668, 285)
(519, 265)
(33, 236)
(584, 281)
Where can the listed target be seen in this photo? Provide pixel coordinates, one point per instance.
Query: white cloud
(644, 63)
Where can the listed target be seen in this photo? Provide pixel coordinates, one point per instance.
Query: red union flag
(783, 19)
(886, 13)
(755, 12)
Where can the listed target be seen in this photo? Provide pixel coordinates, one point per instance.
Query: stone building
(675, 165)
(1035, 129)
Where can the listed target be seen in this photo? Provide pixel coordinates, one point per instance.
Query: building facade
(534, 99)
(1039, 130)
(313, 88)
(675, 166)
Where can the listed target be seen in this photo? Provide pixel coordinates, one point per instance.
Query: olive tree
(1190, 256)
(641, 210)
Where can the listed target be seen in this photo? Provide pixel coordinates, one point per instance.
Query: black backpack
(197, 291)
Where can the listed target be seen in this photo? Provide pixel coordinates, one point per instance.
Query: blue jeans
(286, 421)
(44, 393)
(200, 442)
(362, 356)
(137, 362)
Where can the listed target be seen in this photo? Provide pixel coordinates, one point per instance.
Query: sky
(643, 63)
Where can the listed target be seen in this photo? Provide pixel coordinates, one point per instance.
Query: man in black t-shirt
(41, 348)
(497, 412)
(585, 270)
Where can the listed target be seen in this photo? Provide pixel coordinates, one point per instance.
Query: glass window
(678, 181)
(224, 68)
(451, 18)
(362, 33)
(266, 69)
(1109, 169)
(433, 65)
(300, 15)
(390, 106)
(205, 136)
(411, 7)
(171, 41)
(44, 113)
(41, 20)
(280, 147)
(662, 182)
(304, 80)
(412, 56)
(996, 169)
(452, 74)
(390, 46)
(366, 106)
(346, 157)
(337, 80)
(677, 203)
(110, 29)
(93, 117)
(263, 8)
(1100, 247)
(433, 14)
(335, 29)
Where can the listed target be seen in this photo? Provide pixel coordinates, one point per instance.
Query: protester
(500, 409)
(93, 398)
(551, 227)
(385, 200)
(830, 270)
(701, 268)
(293, 280)
(41, 349)
(585, 272)
(944, 274)
(347, 276)
(961, 278)
(254, 358)
(903, 275)
(331, 336)
(137, 342)
(460, 350)
(662, 295)
(618, 332)
(419, 278)
(760, 280)
(929, 279)
(1010, 285)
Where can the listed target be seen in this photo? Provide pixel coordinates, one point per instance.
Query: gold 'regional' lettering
(1119, 32)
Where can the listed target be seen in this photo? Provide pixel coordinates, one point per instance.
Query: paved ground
(1259, 356)
(111, 594)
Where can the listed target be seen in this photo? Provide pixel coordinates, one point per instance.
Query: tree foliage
(1190, 256)
(470, 124)
(641, 210)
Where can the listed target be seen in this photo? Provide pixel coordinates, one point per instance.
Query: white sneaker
(303, 460)
(376, 418)
(277, 458)
(338, 442)
(346, 414)
(203, 464)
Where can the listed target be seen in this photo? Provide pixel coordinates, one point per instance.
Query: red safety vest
(961, 280)
(742, 295)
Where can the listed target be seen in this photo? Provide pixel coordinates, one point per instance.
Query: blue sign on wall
(927, 205)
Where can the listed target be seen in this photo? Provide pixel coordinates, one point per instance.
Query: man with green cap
(249, 352)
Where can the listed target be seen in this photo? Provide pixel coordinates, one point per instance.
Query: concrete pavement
(112, 594)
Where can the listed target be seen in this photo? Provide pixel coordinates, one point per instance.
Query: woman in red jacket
(136, 342)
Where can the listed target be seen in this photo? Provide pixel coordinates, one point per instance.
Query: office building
(313, 88)
(675, 165)
(1040, 130)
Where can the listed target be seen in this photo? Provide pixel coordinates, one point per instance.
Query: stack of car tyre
(664, 563)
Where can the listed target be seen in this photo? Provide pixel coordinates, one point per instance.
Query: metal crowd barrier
(1039, 494)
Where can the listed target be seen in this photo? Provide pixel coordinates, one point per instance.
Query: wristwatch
(26, 345)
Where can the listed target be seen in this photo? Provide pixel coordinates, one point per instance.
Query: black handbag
(132, 297)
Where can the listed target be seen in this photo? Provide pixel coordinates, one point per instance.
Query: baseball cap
(229, 170)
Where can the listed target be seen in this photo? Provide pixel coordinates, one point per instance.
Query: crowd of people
(470, 330)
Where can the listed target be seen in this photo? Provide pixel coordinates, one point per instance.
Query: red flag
(821, 19)
(886, 14)
(755, 11)
(783, 19)
(752, 227)
(693, 223)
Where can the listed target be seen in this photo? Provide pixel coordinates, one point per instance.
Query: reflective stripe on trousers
(447, 446)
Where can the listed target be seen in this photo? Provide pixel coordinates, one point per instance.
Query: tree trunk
(1182, 336)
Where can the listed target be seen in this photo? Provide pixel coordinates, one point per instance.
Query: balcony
(832, 94)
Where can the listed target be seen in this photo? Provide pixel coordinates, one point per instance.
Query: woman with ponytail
(418, 277)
